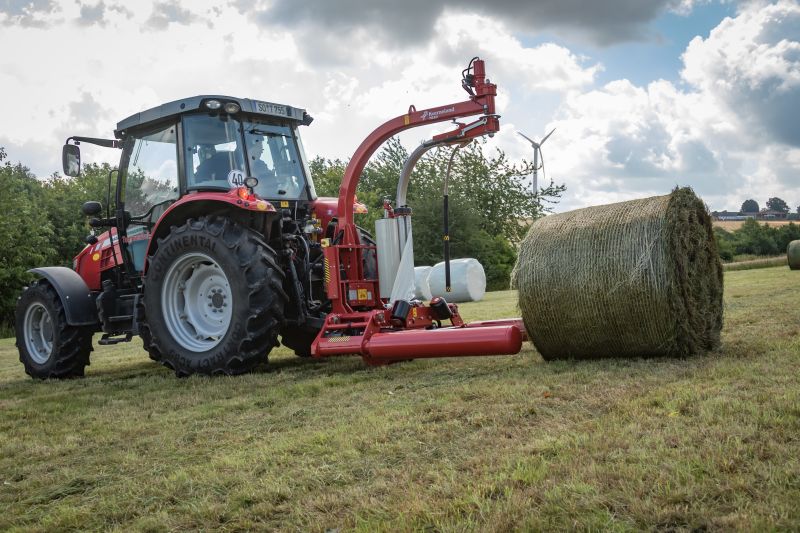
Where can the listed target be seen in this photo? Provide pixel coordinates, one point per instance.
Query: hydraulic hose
(446, 218)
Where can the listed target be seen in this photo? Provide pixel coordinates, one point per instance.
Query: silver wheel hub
(38, 326)
(197, 302)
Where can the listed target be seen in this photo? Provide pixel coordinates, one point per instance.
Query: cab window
(274, 159)
(151, 185)
(213, 150)
(151, 178)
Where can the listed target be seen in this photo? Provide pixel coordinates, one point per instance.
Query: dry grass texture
(733, 225)
(485, 444)
(638, 278)
(767, 262)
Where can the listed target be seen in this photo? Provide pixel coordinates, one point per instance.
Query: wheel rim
(38, 333)
(197, 302)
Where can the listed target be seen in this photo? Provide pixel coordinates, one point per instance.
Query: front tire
(213, 299)
(48, 346)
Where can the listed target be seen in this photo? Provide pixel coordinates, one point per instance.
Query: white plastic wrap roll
(422, 288)
(403, 288)
(389, 251)
(467, 281)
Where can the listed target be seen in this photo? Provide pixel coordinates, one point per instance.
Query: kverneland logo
(435, 114)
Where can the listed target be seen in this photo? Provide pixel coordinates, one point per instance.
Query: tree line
(753, 238)
(773, 204)
(491, 206)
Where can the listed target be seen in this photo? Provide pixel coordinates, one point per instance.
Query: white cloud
(731, 135)
(751, 63)
(727, 129)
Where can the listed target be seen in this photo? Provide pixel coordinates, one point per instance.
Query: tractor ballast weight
(218, 246)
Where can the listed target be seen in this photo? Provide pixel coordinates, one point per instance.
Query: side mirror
(71, 160)
(92, 208)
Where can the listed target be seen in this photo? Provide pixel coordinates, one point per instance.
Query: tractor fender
(79, 305)
(200, 204)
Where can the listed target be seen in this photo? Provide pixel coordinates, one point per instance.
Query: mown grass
(764, 262)
(463, 444)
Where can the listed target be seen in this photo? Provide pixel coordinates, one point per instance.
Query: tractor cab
(206, 145)
(212, 144)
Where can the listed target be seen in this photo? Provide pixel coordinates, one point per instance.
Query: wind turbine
(537, 151)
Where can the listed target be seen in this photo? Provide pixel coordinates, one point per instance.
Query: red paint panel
(517, 322)
(445, 342)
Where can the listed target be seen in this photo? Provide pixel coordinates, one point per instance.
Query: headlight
(213, 104)
(231, 108)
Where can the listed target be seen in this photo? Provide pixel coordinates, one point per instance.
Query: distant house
(769, 214)
(764, 214)
(728, 215)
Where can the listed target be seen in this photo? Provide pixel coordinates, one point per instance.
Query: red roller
(501, 322)
(444, 342)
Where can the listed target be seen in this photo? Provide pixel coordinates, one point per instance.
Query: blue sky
(659, 56)
(589, 69)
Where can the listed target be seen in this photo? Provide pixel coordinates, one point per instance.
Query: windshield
(213, 150)
(274, 160)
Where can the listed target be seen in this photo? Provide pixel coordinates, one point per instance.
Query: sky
(645, 95)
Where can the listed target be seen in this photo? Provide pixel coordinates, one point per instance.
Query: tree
(786, 234)
(26, 235)
(749, 206)
(757, 239)
(327, 175)
(63, 198)
(776, 204)
(496, 187)
(490, 202)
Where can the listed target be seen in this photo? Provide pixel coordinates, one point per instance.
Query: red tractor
(218, 246)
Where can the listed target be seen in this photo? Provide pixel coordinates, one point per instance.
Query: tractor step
(108, 339)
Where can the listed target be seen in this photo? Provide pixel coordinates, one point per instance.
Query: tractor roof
(187, 105)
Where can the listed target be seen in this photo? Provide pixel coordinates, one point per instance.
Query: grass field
(763, 262)
(706, 443)
(733, 225)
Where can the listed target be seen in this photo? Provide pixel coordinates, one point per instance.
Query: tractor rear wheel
(213, 299)
(48, 346)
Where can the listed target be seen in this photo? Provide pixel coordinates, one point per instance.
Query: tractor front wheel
(48, 346)
(213, 299)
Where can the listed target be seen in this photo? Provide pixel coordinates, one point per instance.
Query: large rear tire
(48, 346)
(213, 299)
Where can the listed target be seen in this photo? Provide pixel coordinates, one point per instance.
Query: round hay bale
(638, 278)
(422, 288)
(467, 281)
(793, 255)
